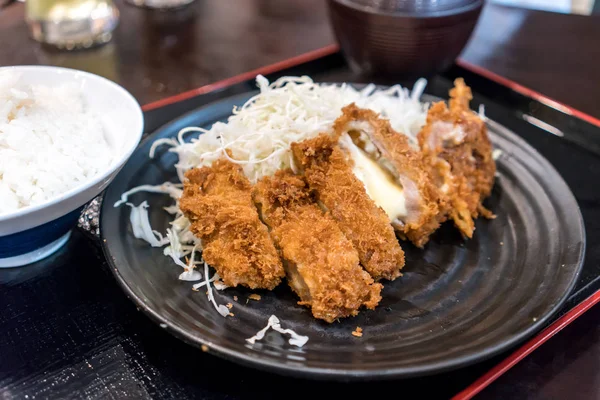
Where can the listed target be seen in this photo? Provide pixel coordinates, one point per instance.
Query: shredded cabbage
(172, 189)
(482, 112)
(140, 223)
(198, 285)
(273, 323)
(223, 310)
(291, 109)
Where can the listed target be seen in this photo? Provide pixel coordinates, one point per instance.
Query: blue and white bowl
(32, 233)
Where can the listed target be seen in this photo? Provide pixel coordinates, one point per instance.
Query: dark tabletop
(155, 55)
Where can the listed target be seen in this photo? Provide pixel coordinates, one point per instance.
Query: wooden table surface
(156, 54)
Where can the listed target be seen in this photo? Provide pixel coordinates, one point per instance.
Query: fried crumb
(329, 172)
(254, 296)
(501, 243)
(229, 305)
(204, 348)
(407, 166)
(456, 142)
(235, 298)
(195, 290)
(231, 314)
(218, 202)
(357, 332)
(322, 264)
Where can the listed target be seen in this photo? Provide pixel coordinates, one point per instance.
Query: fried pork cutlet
(329, 173)
(321, 264)
(393, 172)
(218, 202)
(456, 143)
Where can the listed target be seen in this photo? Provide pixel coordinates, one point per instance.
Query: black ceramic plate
(458, 302)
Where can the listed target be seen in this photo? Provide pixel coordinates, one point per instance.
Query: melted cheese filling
(379, 185)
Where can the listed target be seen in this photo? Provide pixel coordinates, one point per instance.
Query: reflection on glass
(71, 24)
(160, 4)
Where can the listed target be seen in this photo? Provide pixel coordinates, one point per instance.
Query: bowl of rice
(64, 135)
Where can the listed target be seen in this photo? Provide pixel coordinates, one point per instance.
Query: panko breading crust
(218, 202)
(363, 222)
(456, 143)
(321, 264)
(425, 205)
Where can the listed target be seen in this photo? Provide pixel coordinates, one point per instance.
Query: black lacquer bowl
(403, 38)
(458, 302)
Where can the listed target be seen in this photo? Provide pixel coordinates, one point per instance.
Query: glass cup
(71, 24)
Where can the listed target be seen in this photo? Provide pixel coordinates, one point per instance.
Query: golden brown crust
(362, 221)
(425, 206)
(218, 202)
(456, 143)
(321, 263)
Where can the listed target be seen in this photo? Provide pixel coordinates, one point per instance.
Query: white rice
(49, 142)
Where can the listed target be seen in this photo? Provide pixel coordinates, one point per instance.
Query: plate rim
(339, 374)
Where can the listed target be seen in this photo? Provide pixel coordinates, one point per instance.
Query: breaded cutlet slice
(218, 202)
(329, 173)
(456, 143)
(424, 208)
(321, 264)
